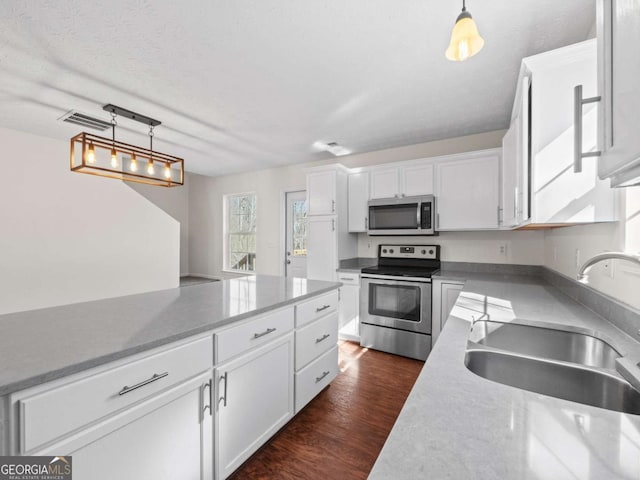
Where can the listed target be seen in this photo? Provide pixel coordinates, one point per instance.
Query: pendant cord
(464, 6)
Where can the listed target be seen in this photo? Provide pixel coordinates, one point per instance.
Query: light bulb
(167, 171)
(91, 154)
(150, 169)
(463, 49)
(133, 166)
(114, 158)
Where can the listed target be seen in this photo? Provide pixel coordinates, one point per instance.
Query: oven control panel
(430, 252)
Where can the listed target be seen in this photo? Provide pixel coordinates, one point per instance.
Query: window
(240, 232)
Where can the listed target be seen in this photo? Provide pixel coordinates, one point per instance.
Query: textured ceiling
(247, 84)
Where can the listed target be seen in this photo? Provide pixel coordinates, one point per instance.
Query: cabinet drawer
(254, 333)
(51, 414)
(315, 339)
(349, 278)
(315, 376)
(315, 308)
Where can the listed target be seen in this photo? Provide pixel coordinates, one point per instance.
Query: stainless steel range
(395, 300)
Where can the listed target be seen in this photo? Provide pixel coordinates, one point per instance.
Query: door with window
(296, 234)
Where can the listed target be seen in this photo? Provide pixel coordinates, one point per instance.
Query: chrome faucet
(582, 273)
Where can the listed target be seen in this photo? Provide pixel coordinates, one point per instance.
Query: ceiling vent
(85, 120)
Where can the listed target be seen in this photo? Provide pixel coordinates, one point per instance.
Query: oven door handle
(395, 280)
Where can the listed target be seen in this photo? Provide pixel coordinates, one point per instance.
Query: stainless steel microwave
(402, 216)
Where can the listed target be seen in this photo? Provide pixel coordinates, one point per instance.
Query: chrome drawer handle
(322, 338)
(223, 399)
(324, 374)
(266, 332)
(209, 407)
(156, 376)
(324, 307)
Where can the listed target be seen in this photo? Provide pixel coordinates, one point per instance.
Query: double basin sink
(564, 364)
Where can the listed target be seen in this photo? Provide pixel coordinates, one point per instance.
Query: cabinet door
(385, 183)
(254, 400)
(618, 25)
(418, 180)
(321, 193)
(468, 194)
(349, 312)
(322, 248)
(358, 198)
(171, 437)
(449, 295)
(510, 176)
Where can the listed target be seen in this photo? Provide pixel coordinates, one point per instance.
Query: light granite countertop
(457, 425)
(41, 345)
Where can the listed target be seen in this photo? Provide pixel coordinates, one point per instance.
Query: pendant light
(465, 39)
(108, 157)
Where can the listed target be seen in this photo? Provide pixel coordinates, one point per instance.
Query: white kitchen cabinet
(321, 192)
(171, 437)
(468, 193)
(385, 183)
(328, 237)
(618, 25)
(140, 417)
(402, 181)
(349, 306)
(445, 295)
(358, 186)
(254, 399)
(322, 248)
(543, 115)
(515, 163)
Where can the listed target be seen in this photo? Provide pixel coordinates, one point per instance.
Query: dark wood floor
(341, 432)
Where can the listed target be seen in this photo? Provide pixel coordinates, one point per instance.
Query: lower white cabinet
(254, 399)
(313, 378)
(349, 319)
(445, 295)
(166, 437)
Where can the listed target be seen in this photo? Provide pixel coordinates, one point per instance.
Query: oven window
(395, 301)
(394, 217)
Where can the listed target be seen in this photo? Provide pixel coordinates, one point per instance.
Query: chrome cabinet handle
(346, 279)
(515, 203)
(324, 374)
(499, 210)
(366, 223)
(210, 387)
(324, 307)
(156, 376)
(223, 399)
(333, 225)
(322, 338)
(578, 102)
(333, 206)
(262, 334)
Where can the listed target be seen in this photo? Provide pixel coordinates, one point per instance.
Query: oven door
(401, 304)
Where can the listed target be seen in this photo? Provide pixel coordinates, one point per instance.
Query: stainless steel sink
(545, 343)
(569, 382)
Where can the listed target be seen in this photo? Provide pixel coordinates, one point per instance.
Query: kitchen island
(180, 383)
(456, 424)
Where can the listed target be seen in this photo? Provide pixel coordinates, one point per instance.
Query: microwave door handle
(418, 216)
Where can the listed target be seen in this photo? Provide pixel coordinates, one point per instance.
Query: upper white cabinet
(328, 237)
(468, 192)
(402, 181)
(543, 147)
(358, 198)
(618, 24)
(321, 192)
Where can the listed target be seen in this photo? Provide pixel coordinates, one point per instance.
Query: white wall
(67, 237)
(205, 210)
(522, 247)
(560, 247)
(175, 202)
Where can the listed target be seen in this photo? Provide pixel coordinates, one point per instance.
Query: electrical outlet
(607, 268)
(502, 249)
(578, 265)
